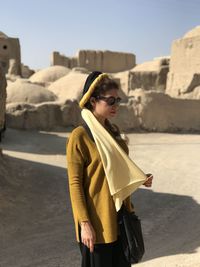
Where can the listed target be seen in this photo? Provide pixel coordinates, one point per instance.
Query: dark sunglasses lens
(112, 100)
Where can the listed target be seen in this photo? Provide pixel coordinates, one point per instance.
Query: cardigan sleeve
(75, 164)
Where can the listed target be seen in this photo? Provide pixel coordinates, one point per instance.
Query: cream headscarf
(122, 174)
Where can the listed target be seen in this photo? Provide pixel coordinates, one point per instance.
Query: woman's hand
(148, 182)
(88, 235)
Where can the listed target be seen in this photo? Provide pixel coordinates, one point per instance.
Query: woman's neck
(101, 119)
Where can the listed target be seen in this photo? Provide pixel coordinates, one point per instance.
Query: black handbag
(130, 235)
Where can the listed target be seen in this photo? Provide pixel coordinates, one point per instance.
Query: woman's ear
(92, 101)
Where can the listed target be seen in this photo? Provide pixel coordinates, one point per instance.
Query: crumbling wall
(151, 75)
(62, 60)
(105, 61)
(184, 75)
(146, 111)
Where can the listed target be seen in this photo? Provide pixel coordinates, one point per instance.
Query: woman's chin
(113, 114)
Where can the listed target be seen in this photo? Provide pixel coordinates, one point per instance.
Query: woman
(93, 206)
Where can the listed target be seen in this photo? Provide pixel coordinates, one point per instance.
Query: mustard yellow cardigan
(89, 192)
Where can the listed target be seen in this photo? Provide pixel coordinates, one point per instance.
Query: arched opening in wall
(5, 47)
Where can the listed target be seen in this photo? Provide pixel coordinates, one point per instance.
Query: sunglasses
(111, 100)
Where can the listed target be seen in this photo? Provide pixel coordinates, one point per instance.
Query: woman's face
(101, 106)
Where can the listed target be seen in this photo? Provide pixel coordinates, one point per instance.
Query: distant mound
(25, 92)
(69, 86)
(49, 75)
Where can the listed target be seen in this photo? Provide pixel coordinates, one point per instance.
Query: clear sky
(146, 28)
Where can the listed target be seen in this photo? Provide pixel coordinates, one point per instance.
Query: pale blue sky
(143, 27)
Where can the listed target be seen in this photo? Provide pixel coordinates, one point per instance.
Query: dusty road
(36, 224)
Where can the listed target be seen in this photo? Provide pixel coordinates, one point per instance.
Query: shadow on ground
(170, 223)
(36, 224)
(37, 227)
(35, 142)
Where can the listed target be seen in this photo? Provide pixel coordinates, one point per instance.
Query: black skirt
(104, 255)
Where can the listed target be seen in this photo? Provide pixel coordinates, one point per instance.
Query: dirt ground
(36, 224)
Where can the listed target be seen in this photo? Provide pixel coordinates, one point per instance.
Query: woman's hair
(104, 86)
